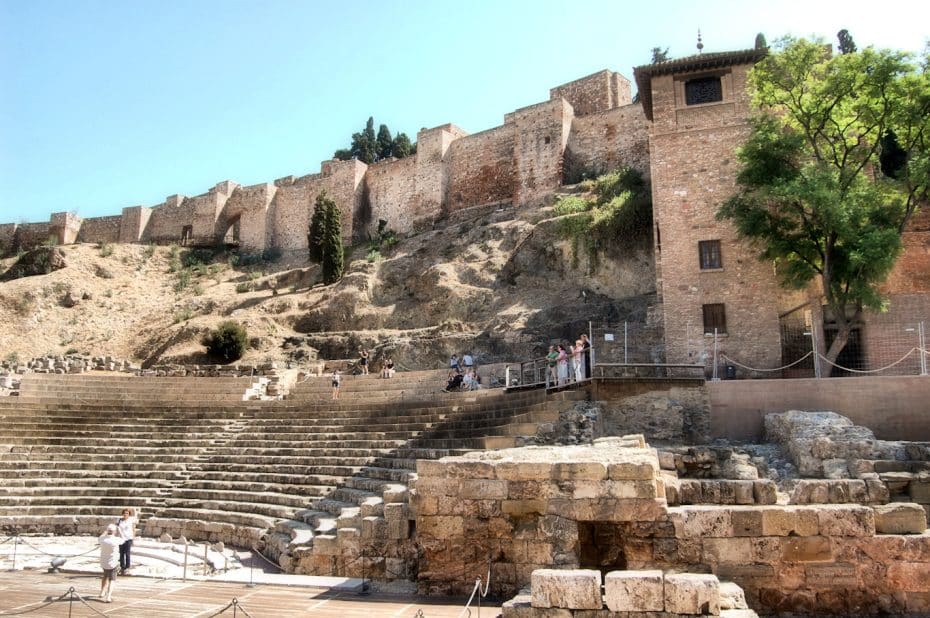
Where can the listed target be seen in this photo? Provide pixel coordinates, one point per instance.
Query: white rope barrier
(748, 368)
(481, 592)
(900, 360)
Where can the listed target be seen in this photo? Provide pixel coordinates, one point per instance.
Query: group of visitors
(571, 363)
(115, 551)
(463, 375)
(364, 363)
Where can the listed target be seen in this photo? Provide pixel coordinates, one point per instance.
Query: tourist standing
(109, 560)
(587, 355)
(363, 361)
(468, 361)
(126, 527)
(454, 363)
(576, 359)
(337, 382)
(562, 360)
(552, 361)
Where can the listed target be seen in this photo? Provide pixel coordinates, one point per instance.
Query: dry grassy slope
(499, 282)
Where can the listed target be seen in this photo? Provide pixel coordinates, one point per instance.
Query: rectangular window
(703, 90)
(715, 318)
(709, 251)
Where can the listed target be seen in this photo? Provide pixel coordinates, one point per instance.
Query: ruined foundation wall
(886, 405)
(605, 507)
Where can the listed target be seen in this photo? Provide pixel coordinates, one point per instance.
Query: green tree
(385, 142)
(333, 257)
(847, 45)
(343, 154)
(760, 41)
(810, 191)
(402, 146)
(316, 232)
(659, 54)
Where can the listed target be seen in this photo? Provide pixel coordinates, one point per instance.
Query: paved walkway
(41, 594)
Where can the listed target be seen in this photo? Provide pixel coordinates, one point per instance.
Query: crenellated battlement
(516, 162)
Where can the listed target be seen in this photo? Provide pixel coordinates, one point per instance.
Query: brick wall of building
(693, 170)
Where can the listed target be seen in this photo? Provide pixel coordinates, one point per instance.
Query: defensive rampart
(587, 126)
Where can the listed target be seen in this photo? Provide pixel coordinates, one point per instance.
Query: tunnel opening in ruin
(600, 546)
(231, 233)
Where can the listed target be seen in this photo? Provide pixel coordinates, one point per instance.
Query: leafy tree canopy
(369, 147)
(811, 190)
(659, 54)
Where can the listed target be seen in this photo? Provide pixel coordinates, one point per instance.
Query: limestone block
(483, 489)
(633, 489)
(701, 521)
(522, 471)
(746, 522)
(580, 471)
(765, 491)
(727, 551)
(919, 490)
(441, 526)
(374, 527)
(835, 469)
(691, 593)
(876, 491)
(743, 492)
(846, 520)
(899, 518)
(666, 460)
(398, 528)
(806, 549)
(640, 465)
(738, 613)
(789, 521)
(909, 576)
(519, 508)
(568, 589)
(634, 591)
(325, 545)
(396, 510)
(732, 597)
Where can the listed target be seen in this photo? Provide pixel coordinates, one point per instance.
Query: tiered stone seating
(200, 461)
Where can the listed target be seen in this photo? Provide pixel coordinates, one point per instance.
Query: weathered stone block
(806, 549)
(731, 597)
(518, 508)
(701, 521)
(727, 550)
(578, 471)
(690, 593)
(441, 526)
(919, 490)
(831, 576)
(568, 589)
(746, 522)
(482, 489)
(765, 491)
(634, 591)
(899, 518)
(641, 465)
(789, 521)
(846, 520)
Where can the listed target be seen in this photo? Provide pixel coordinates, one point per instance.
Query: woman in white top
(127, 532)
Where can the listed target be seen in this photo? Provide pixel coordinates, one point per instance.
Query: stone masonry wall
(595, 93)
(481, 169)
(604, 141)
(292, 208)
(391, 191)
(167, 221)
(100, 229)
(542, 132)
(603, 507)
(134, 221)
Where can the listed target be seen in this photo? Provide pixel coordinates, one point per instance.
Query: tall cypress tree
(385, 142)
(315, 235)
(332, 243)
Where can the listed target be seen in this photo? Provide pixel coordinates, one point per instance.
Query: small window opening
(709, 254)
(715, 319)
(703, 90)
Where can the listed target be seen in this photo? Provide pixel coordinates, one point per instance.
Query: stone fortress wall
(592, 121)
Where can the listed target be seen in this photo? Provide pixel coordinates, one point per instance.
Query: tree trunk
(842, 335)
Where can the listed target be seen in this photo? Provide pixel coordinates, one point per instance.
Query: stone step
(210, 515)
(235, 512)
(185, 496)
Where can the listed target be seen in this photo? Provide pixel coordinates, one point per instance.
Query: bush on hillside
(226, 341)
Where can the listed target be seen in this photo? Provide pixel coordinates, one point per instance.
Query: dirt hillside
(501, 282)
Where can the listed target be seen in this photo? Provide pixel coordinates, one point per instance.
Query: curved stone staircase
(308, 479)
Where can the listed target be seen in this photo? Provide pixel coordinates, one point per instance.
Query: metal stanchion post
(206, 557)
(715, 378)
(251, 583)
(15, 546)
(922, 339)
(186, 549)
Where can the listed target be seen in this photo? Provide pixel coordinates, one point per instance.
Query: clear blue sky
(107, 104)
